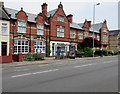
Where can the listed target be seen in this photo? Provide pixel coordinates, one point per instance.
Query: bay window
(39, 47)
(21, 46)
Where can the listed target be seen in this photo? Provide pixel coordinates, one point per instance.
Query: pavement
(47, 60)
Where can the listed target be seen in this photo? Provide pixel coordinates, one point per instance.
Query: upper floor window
(105, 38)
(4, 28)
(60, 18)
(104, 30)
(98, 37)
(80, 35)
(21, 26)
(72, 34)
(85, 34)
(60, 31)
(40, 29)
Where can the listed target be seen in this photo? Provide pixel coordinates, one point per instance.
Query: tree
(88, 42)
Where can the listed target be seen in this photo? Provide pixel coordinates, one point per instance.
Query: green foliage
(109, 52)
(84, 52)
(88, 52)
(116, 53)
(97, 52)
(79, 47)
(105, 52)
(79, 53)
(33, 57)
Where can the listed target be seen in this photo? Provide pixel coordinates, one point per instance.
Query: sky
(81, 10)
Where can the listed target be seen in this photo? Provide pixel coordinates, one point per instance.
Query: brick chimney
(70, 18)
(89, 23)
(1, 4)
(44, 9)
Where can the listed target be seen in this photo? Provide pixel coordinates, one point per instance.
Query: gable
(22, 15)
(60, 12)
(39, 19)
(13, 12)
(3, 15)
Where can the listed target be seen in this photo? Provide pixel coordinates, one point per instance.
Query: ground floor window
(59, 49)
(21, 46)
(39, 46)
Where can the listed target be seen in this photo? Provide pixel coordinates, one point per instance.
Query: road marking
(18, 67)
(34, 73)
(22, 70)
(108, 62)
(84, 65)
(93, 64)
(43, 65)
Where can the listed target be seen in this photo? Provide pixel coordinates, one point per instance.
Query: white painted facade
(4, 37)
(54, 46)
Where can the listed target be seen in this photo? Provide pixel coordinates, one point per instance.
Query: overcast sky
(81, 10)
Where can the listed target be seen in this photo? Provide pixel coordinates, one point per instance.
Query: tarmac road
(74, 75)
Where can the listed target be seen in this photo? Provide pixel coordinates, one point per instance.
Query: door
(4, 48)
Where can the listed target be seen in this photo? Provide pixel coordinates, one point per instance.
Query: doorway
(4, 48)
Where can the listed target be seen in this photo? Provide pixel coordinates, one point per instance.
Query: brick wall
(6, 59)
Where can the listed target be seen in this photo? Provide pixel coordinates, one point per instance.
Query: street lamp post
(94, 23)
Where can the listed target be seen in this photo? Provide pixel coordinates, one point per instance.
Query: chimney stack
(1, 4)
(44, 9)
(89, 23)
(70, 18)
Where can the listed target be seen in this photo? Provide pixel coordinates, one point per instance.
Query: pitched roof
(31, 17)
(75, 25)
(52, 12)
(96, 27)
(3, 15)
(114, 32)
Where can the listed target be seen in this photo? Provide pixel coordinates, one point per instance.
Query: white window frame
(72, 34)
(21, 46)
(105, 38)
(21, 26)
(85, 34)
(60, 18)
(60, 31)
(104, 30)
(81, 35)
(98, 37)
(39, 47)
(4, 28)
(40, 29)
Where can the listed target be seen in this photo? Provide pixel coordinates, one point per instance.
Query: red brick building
(49, 32)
